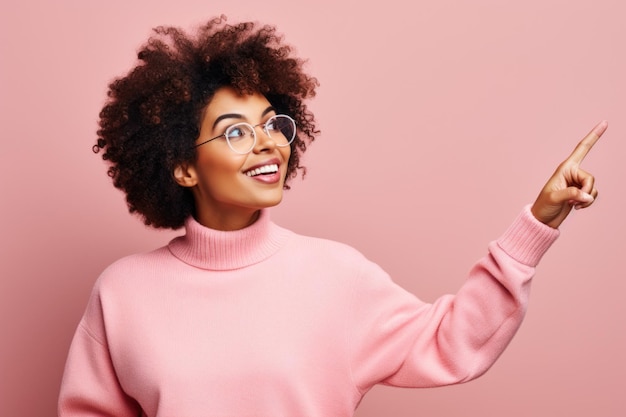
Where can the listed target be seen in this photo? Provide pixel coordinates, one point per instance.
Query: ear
(185, 175)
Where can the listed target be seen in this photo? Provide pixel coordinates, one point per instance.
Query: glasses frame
(253, 130)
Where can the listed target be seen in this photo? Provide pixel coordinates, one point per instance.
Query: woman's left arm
(399, 340)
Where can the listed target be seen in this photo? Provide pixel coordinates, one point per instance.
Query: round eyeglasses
(241, 137)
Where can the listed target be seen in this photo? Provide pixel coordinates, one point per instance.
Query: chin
(273, 202)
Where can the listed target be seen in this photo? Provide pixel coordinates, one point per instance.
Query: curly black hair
(152, 117)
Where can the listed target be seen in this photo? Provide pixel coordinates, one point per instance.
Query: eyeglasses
(241, 137)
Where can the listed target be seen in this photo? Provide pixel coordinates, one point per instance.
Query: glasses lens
(240, 137)
(282, 129)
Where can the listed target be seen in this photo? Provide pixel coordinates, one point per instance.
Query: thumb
(572, 195)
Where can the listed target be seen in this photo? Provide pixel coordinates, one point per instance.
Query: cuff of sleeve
(527, 239)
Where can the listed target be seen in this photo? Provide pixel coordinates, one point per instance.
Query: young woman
(240, 317)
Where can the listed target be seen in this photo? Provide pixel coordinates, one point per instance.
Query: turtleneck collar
(207, 248)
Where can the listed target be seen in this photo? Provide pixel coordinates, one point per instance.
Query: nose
(264, 142)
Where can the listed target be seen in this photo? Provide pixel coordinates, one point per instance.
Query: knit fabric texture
(265, 322)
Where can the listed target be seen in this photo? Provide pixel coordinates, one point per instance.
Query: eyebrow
(239, 116)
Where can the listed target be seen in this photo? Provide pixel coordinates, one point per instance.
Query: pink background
(440, 120)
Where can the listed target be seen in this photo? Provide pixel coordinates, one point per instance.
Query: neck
(227, 220)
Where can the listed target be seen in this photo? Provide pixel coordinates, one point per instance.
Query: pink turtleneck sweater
(265, 322)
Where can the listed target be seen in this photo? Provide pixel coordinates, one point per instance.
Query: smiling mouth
(265, 169)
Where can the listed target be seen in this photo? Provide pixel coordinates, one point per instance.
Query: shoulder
(334, 254)
(326, 247)
(131, 268)
(144, 260)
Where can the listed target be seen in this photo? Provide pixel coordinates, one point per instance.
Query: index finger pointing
(585, 145)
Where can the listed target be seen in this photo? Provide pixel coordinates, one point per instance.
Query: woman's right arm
(90, 386)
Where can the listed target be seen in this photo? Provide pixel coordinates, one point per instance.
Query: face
(228, 187)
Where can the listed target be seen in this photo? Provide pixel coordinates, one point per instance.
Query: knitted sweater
(265, 322)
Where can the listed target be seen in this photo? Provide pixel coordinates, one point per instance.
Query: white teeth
(265, 169)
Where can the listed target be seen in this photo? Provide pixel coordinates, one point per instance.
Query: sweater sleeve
(90, 386)
(396, 339)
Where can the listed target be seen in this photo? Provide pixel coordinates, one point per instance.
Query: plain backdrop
(440, 120)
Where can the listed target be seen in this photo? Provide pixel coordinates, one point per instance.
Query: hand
(570, 186)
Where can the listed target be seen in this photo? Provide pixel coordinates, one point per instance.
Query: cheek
(286, 153)
(213, 167)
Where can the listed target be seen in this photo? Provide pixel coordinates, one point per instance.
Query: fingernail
(600, 128)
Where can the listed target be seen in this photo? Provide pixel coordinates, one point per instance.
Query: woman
(240, 317)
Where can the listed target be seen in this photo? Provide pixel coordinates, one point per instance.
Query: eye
(280, 127)
(271, 125)
(237, 132)
(279, 124)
